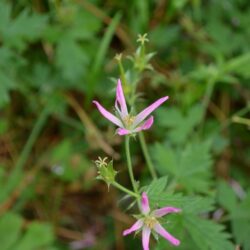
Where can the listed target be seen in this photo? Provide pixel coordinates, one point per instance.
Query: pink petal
(165, 210)
(147, 111)
(146, 125)
(107, 114)
(160, 230)
(123, 131)
(145, 204)
(120, 99)
(134, 227)
(145, 238)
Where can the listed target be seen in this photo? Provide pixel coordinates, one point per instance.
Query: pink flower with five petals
(149, 222)
(127, 123)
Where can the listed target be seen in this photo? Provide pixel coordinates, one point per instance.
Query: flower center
(150, 221)
(128, 121)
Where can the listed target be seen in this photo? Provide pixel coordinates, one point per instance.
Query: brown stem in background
(120, 32)
(93, 134)
(159, 13)
(18, 191)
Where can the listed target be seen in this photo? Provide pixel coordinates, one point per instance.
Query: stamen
(150, 221)
(128, 121)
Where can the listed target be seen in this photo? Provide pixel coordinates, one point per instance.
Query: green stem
(125, 190)
(16, 173)
(130, 169)
(240, 112)
(147, 156)
(122, 73)
(142, 54)
(241, 120)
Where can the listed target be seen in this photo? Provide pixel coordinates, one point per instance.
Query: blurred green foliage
(12, 236)
(56, 51)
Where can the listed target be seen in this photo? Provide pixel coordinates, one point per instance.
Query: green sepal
(106, 173)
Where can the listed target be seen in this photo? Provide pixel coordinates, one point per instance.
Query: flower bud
(105, 171)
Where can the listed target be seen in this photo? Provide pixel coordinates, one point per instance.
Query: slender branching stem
(125, 190)
(130, 168)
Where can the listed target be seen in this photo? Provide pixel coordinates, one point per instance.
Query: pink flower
(149, 222)
(127, 123)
